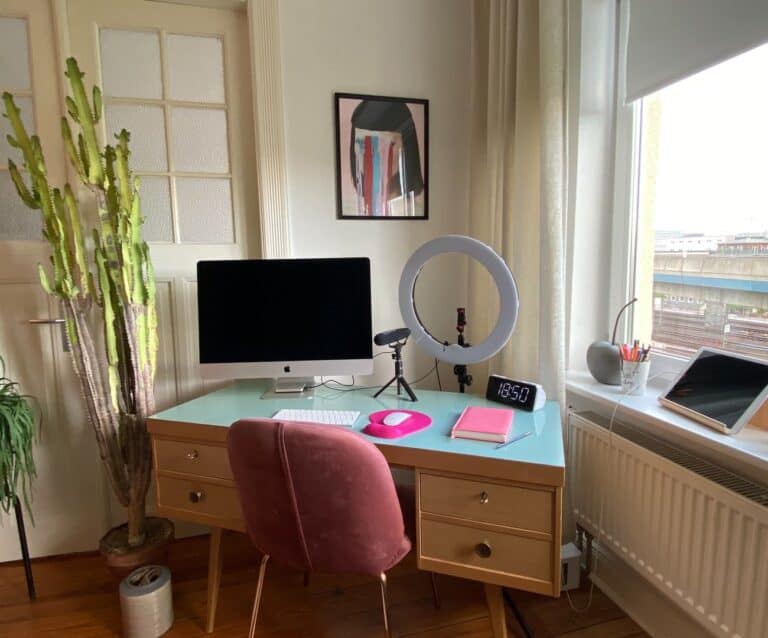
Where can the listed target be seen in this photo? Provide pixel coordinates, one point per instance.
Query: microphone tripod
(397, 356)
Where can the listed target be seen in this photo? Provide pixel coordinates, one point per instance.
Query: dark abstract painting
(381, 157)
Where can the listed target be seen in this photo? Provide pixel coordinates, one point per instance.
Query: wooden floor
(76, 598)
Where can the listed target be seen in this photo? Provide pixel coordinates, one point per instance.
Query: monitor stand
(292, 385)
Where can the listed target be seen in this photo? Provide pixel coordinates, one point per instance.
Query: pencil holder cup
(634, 377)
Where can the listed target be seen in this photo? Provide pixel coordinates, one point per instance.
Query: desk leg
(495, 601)
(214, 578)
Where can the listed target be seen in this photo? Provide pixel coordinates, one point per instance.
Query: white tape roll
(146, 602)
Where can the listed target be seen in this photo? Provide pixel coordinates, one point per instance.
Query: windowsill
(749, 447)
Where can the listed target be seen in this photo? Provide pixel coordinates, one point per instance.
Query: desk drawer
(192, 458)
(508, 505)
(199, 497)
(471, 550)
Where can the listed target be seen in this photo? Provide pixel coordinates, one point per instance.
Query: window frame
(167, 104)
(621, 152)
(627, 156)
(30, 94)
(626, 177)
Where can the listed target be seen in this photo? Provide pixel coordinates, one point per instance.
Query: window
(701, 265)
(170, 88)
(16, 221)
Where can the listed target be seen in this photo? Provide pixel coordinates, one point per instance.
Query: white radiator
(697, 532)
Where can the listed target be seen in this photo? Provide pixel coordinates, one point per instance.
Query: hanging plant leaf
(18, 433)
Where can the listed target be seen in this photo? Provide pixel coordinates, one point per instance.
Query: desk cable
(597, 538)
(338, 386)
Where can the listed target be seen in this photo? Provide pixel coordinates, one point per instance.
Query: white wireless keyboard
(326, 417)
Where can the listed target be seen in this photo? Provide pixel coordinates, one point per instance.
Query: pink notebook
(484, 424)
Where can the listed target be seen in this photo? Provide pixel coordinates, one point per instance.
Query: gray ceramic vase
(603, 362)
(603, 356)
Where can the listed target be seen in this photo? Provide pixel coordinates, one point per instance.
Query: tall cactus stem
(85, 118)
(75, 157)
(112, 278)
(21, 187)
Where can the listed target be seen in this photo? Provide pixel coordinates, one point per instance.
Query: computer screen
(283, 317)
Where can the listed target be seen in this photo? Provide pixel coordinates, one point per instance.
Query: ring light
(505, 284)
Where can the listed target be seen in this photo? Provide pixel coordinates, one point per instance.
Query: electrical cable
(598, 537)
(353, 388)
(517, 613)
(437, 372)
(344, 387)
(325, 383)
(337, 382)
(431, 370)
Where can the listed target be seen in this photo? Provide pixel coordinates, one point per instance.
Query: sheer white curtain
(518, 179)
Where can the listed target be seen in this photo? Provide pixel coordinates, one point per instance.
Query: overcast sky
(713, 157)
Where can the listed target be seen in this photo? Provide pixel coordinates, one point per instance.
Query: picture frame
(382, 157)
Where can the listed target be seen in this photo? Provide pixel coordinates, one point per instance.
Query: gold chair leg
(435, 593)
(385, 604)
(257, 599)
(214, 578)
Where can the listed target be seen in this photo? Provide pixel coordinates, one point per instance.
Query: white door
(178, 78)
(66, 456)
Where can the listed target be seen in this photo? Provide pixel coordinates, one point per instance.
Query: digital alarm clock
(516, 394)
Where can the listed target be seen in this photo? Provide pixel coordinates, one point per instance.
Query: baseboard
(641, 601)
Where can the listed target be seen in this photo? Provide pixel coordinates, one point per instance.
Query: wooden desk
(485, 514)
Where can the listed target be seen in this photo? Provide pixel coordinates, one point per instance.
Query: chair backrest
(316, 497)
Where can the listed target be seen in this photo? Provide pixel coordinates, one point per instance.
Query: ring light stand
(460, 354)
(460, 369)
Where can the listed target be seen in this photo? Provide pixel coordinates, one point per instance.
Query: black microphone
(391, 336)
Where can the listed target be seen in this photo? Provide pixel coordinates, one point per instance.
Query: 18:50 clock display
(517, 394)
(514, 391)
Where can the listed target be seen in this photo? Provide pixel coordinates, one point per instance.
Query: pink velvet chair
(318, 498)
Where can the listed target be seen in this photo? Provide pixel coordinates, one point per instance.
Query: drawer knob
(483, 497)
(483, 550)
(192, 455)
(196, 496)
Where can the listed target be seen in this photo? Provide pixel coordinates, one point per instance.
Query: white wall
(398, 48)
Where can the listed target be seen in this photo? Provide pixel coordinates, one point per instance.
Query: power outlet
(570, 565)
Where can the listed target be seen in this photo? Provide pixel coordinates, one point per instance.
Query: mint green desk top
(242, 399)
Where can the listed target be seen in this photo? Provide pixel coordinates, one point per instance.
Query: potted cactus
(101, 272)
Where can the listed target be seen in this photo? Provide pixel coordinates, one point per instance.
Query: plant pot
(122, 560)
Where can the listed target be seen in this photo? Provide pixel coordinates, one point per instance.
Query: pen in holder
(634, 365)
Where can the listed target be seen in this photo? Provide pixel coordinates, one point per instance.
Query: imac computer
(288, 319)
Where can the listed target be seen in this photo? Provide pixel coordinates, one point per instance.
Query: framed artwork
(382, 146)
